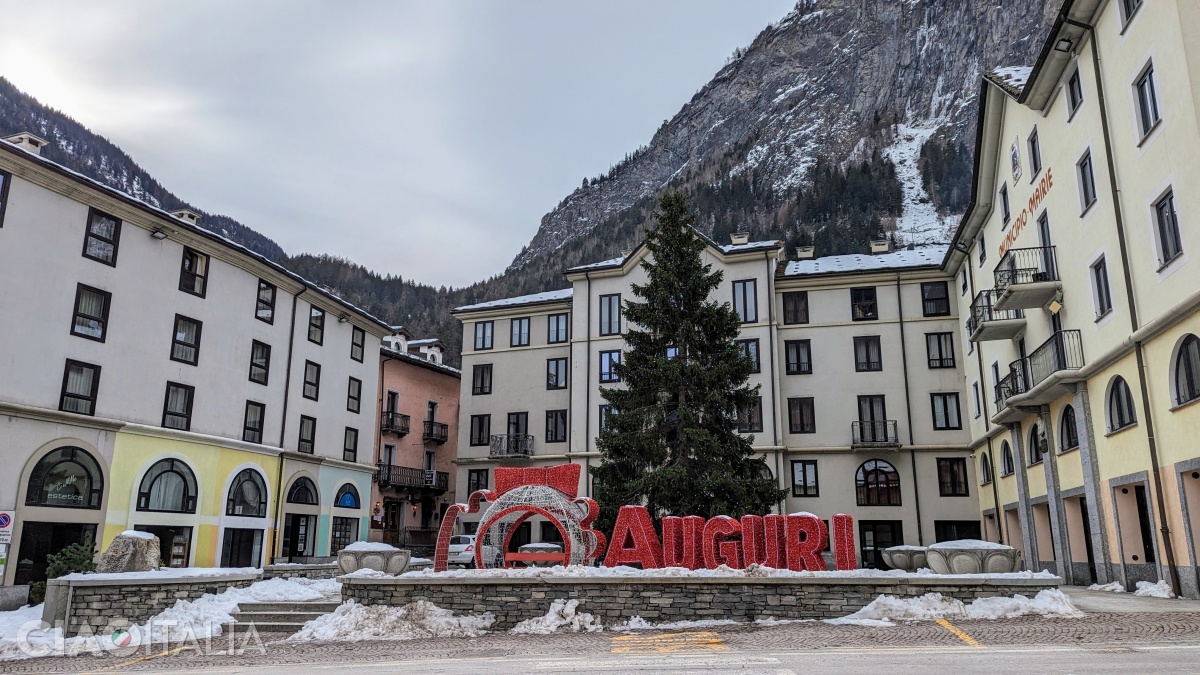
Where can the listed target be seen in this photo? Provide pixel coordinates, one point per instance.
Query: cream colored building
(1077, 289)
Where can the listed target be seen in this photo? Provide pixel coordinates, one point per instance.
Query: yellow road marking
(669, 642)
(142, 658)
(959, 634)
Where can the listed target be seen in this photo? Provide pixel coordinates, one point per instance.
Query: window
(745, 300)
(81, 381)
(936, 298)
(609, 359)
(795, 307)
(91, 313)
(168, 486)
(5, 179)
(177, 407)
(66, 477)
(606, 412)
(1100, 288)
(312, 380)
(1005, 209)
(347, 497)
(343, 533)
(1068, 431)
(308, 434)
(750, 421)
(982, 250)
(1167, 228)
(1037, 445)
(1087, 181)
(945, 411)
(477, 479)
(358, 343)
(985, 469)
(1035, 154)
(252, 425)
(556, 373)
(481, 429)
(520, 333)
(354, 395)
(877, 483)
(350, 445)
(749, 349)
(483, 335)
(1187, 371)
(193, 273)
(804, 478)
(867, 356)
(556, 328)
(939, 347)
(672, 352)
(978, 399)
(103, 237)
(1147, 99)
(303, 491)
(610, 314)
(260, 362)
(185, 346)
(1128, 7)
(247, 495)
(264, 307)
(1006, 458)
(963, 291)
(862, 304)
(1074, 93)
(481, 379)
(556, 426)
(316, 325)
(799, 357)
(952, 476)
(1120, 406)
(802, 418)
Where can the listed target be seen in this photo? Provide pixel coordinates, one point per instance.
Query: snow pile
(352, 622)
(136, 534)
(1162, 589)
(164, 573)
(10, 625)
(919, 222)
(1013, 76)
(723, 571)
(638, 623)
(1113, 587)
(886, 608)
(974, 544)
(562, 614)
(360, 546)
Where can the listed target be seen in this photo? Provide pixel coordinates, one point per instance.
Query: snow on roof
(424, 341)
(612, 262)
(728, 248)
(548, 296)
(418, 360)
(738, 248)
(1012, 78)
(925, 256)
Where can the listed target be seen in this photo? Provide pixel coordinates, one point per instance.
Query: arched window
(347, 497)
(985, 469)
(247, 495)
(303, 492)
(169, 485)
(877, 483)
(1068, 432)
(1037, 445)
(66, 477)
(1187, 371)
(1120, 405)
(1006, 459)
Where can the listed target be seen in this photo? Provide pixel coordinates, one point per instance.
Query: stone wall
(293, 571)
(674, 599)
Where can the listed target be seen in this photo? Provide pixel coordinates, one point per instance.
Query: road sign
(7, 518)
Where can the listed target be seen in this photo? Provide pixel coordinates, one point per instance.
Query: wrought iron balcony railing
(407, 476)
(874, 433)
(394, 423)
(506, 445)
(983, 310)
(435, 431)
(1026, 266)
(1063, 351)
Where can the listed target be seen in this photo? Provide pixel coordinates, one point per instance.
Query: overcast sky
(424, 139)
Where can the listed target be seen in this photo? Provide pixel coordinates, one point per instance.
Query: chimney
(625, 253)
(881, 246)
(805, 252)
(28, 141)
(739, 238)
(186, 215)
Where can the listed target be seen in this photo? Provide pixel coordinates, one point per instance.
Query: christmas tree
(670, 438)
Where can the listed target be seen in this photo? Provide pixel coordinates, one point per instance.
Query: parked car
(462, 551)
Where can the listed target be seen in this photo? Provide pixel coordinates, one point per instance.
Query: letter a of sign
(634, 540)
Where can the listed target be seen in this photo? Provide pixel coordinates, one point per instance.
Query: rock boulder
(131, 551)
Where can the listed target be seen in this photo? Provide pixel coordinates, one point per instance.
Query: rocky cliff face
(832, 79)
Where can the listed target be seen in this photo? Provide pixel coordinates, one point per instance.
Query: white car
(462, 551)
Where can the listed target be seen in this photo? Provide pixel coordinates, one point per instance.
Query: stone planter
(907, 558)
(393, 561)
(961, 557)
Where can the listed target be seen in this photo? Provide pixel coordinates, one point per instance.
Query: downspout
(912, 454)
(287, 389)
(1119, 220)
(587, 385)
(774, 390)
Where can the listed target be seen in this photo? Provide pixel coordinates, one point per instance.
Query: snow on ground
(1162, 589)
(370, 546)
(932, 606)
(919, 223)
(960, 544)
(638, 623)
(562, 614)
(1113, 587)
(751, 571)
(352, 622)
(163, 573)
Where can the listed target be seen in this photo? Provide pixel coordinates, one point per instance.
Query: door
(242, 548)
(876, 535)
(1024, 363)
(431, 410)
(873, 418)
(518, 427)
(1048, 272)
(39, 540)
(392, 515)
(298, 537)
(1087, 539)
(393, 401)
(521, 536)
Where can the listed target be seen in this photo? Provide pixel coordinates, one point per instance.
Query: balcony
(512, 445)
(987, 322)
(1009, 386)
(874, 435)
(394, 423)
(1027, 278)
(391, 475)
(435, 431)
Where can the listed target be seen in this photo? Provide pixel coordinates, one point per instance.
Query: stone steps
(276, 617)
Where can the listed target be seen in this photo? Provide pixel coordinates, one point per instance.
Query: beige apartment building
(857, 365)
(1079, 298)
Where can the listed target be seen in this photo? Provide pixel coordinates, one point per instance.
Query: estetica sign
(793, 541)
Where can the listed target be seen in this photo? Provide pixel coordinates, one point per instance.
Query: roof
(726, 249)
(423, 342)
(534, 299)
(420, 361)
(1011, 79)
(924, 256)
(190, 227)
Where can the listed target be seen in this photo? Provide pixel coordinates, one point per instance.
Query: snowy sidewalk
(1121, 603)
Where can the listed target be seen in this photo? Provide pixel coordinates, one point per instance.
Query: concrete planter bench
(907, 558)
(970, 557)
(378, 557)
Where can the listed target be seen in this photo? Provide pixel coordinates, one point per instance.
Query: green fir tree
(670, 440)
